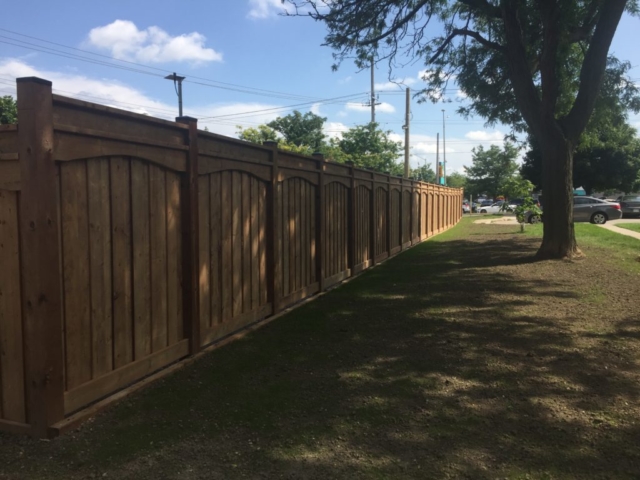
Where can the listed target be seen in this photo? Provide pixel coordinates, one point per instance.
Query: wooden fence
(129, 243)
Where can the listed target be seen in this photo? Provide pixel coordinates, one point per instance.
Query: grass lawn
(630, 226)
(461, 358)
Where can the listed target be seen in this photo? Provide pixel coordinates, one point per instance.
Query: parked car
(466, 208)
(486, 203)
(630, 205)
(587, 209)
(493, 208)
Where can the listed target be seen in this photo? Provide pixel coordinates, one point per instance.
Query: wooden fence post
(190, 239)
(320, 222)
(40, 246)
(388, 213)
(351, 237)
(372, 219)
(274, 232)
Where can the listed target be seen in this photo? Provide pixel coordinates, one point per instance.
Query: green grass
(444, 362)
(621, 249)
(630, 226)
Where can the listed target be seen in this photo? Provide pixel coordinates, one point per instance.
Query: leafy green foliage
(517, 187)
(528, 205)
(492, 168)
(456, 180)
(264, 133)
(369, 147)
(8, 110)
(298, 129)
(424, 173)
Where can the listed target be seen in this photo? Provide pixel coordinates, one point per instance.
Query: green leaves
(491, 170)
(8, 110)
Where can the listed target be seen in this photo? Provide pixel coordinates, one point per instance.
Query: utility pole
(444, 149)
(438, 158)
(177, 83)
(407, 119)
(373, 95)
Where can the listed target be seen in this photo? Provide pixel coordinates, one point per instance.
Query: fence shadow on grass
(451, 360)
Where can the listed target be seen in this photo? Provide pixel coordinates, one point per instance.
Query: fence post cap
(39, 80)
(270, 143)
(186, 119)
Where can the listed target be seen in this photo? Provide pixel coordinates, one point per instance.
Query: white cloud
(484, 136)
(267, 8)
(398, 84)
(345, 80)
(125, 41)
(315, 108)
(461, 94)
(334, 129)
(116, 94)
(383, 107)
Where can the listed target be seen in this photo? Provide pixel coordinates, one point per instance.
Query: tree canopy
(491, 169)
(8, 110)
(299, 129)
(368, 146)
(535, 65)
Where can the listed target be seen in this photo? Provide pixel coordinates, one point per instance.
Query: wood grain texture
(122, 269)
(158, 229)
(175, 325)
(100, 266)
(75, 272)
(12, 399)
(141, 244)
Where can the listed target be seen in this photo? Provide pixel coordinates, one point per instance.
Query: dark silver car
(589, 209)
(630, 205)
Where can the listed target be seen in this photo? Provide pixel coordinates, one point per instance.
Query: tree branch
(457, 32)
(482, 6)
(593, 66)
(397, 25)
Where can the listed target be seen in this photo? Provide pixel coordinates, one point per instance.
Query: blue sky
(259, 62)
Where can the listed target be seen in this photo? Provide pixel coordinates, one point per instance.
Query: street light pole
(177, 82)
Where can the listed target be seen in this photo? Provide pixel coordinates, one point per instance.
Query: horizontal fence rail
(130, 243)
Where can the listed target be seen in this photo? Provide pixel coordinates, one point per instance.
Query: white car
(495, 208)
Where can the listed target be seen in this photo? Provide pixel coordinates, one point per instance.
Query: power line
(211, 83)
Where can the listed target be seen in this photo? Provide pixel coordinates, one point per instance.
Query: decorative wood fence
(128, 243)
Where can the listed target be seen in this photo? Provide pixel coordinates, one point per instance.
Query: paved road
(611, 225)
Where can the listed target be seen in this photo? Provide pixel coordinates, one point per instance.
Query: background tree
(456, 180)
(424, 173)
(369, 147)
(8, 110)
(535, 65)
(298, 129)
(517, 187)
(491, 169)
(264, 133)
(607, 156)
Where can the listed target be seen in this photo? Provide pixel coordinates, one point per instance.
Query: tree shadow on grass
(458, 359)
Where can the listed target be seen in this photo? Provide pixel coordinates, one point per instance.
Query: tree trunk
(559, 240)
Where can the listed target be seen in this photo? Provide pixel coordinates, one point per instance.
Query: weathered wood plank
(215, 240)
(12, 399)
(262, 241)
(226, 255)
(158, 228)
(284, 231)
(236, 215)
(246, 243)
(175, 327)
(121, 244)
(76, 275)
(141, 244)
(120, 378)
(255, 243)
(100, 266)
(204, 265)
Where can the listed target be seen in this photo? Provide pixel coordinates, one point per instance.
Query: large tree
(607, 156)
(491, 169)
(369, 147)
(534, 64)
(299, 129)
